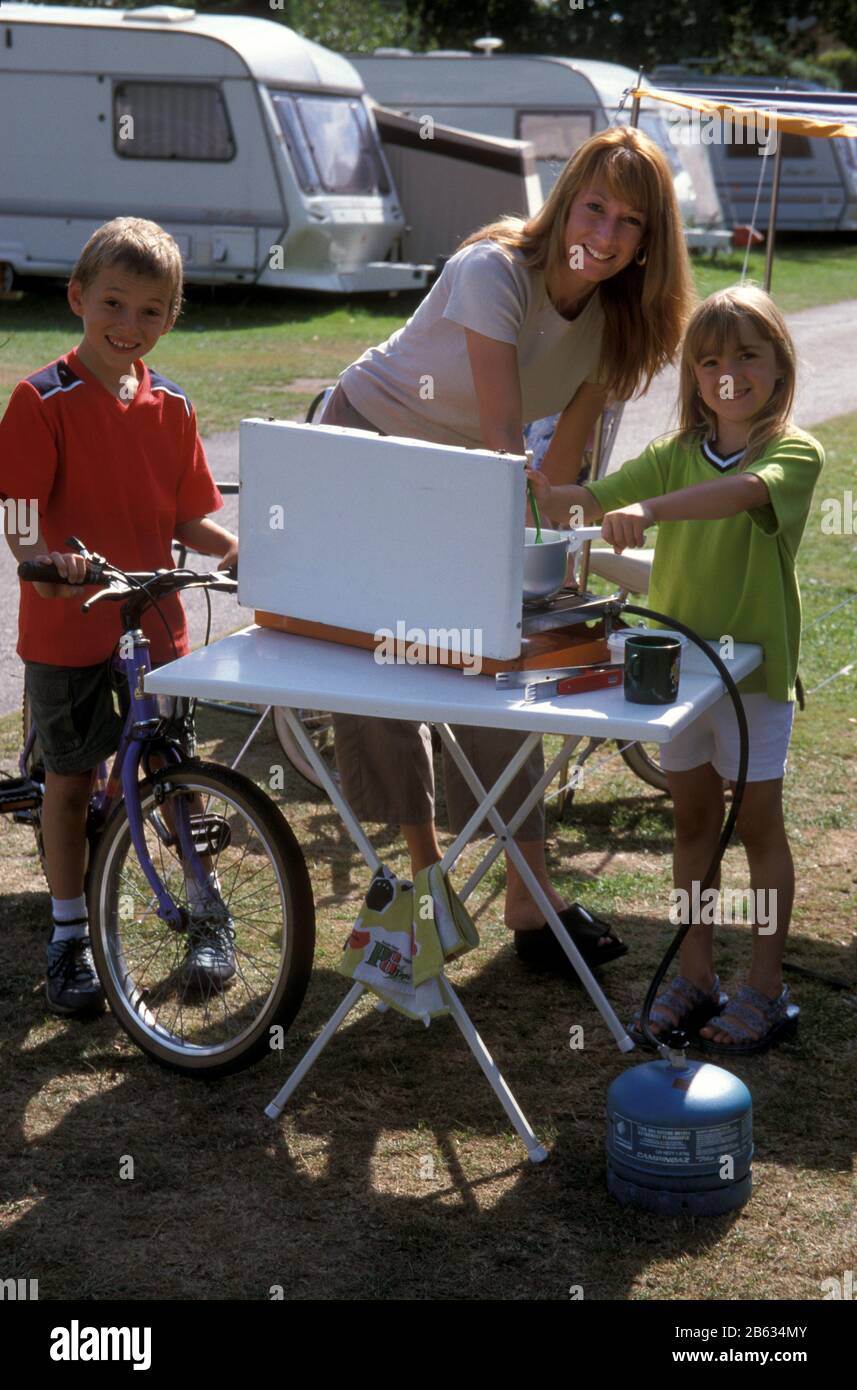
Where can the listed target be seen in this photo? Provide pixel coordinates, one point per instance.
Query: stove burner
(566, 598)
(546, 614)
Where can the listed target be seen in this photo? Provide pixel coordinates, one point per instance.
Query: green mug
(652, 669)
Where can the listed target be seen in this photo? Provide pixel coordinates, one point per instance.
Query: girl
(730, 493)
(588, 297)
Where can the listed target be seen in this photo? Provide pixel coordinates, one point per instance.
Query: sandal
(693, 1006)
(741, 1022)
(541, 950)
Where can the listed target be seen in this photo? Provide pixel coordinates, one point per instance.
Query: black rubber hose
(729, 825)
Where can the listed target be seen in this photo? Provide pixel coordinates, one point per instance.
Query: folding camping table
(265, 667)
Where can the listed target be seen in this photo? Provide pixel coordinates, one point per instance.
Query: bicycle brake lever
(114, 592)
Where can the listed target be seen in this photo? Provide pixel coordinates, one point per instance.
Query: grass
(240, 353)
(393, 1173)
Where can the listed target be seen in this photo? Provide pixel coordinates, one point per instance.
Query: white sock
(196, 896)
(70, 919)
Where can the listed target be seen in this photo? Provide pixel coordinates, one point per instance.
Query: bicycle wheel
(319, 726)
(644, 764)
(205, 1029)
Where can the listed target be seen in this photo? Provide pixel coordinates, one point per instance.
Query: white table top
(264, 667)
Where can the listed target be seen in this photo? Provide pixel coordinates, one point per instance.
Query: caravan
(257, 149)
(555, 103)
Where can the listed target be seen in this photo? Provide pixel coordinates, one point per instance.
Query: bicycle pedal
(210, 833)
(19, 794)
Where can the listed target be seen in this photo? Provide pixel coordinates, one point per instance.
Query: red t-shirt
(119, 476)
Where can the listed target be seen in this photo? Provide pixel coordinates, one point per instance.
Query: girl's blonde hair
(138, 246)
(645, 306)
(716, 322)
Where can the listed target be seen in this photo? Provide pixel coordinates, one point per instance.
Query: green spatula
(536, 513)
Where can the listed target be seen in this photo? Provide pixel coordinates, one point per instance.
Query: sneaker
(72, 986)
(211, 956)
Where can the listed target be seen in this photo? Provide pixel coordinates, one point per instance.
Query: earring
(641, 260)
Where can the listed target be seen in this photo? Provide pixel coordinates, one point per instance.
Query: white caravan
(257, 149)
(556, 103)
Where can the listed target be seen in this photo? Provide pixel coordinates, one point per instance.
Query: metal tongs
(563, 680)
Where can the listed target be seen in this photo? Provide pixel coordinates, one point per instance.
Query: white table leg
(352, 824)
(313, 1053)
(496, 849)
(505, 779)
(250, 737)
(486, 805)
(536, 1151)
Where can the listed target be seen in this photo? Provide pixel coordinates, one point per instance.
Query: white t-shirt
(419, 384)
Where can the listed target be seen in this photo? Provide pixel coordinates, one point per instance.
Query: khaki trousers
(385, 765)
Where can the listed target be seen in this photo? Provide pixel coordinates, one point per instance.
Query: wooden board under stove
(575, 645)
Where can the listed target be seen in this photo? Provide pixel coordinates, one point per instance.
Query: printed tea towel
(402, 937)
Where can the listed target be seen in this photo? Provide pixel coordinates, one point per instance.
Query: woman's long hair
(645, 306)
(716, 322)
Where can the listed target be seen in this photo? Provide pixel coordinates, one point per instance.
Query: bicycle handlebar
(118, 585)
(39, 573)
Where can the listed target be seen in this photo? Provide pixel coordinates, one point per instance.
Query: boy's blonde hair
(716, 322)
(645, 306)
(138, 246)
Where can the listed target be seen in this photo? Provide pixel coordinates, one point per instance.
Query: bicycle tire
(129, 958)
(644, 766)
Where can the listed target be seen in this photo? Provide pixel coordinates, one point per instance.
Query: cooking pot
(545, 565)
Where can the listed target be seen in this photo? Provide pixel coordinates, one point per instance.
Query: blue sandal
(693, 1006)
(741, 1022)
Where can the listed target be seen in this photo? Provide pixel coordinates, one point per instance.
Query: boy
(106, 450)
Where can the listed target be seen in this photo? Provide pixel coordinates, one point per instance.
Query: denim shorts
(79, 713)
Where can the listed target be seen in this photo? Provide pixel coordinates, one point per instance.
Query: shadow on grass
(392, 1173)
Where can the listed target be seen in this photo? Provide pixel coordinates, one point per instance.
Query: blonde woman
(586, 299)
(730, 493)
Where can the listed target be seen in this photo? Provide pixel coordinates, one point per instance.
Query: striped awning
(819, 114)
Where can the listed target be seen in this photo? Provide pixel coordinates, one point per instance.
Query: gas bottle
(679, 1138)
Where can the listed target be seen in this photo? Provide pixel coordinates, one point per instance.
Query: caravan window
(794, 147)
(332, 143)
(170, 120)
(555, 134)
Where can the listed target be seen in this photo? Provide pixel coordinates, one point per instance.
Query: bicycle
(187, 822)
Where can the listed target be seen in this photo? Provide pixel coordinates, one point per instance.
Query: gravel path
(828, 387)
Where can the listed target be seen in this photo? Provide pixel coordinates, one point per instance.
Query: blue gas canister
(679, 1138)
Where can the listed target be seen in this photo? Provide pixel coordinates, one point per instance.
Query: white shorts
(713, 738)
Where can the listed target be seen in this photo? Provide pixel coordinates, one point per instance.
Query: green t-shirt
(735, 576)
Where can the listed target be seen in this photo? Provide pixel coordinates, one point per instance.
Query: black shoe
(540, 949)
(72, 986)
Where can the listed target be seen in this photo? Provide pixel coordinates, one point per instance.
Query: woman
(585, 300)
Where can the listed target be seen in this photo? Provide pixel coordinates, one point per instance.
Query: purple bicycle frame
(141, 725)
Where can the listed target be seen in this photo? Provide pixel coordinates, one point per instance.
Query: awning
(819, 114)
